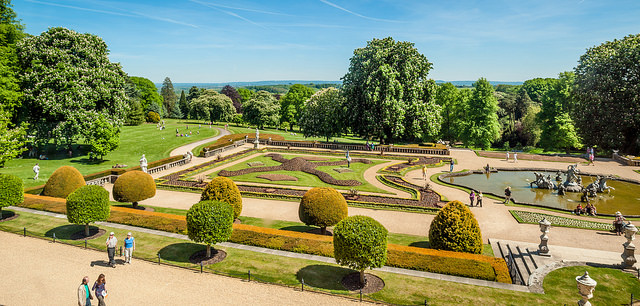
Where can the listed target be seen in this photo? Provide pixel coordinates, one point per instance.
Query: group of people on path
(515, 156)
(477, 197)
(129, 247)
(591, 155)
(99, 289)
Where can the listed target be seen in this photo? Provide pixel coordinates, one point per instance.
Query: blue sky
(245, 40)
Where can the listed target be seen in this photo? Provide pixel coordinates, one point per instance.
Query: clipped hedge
(63, 182)
(89, 203)
(456, 229)
(322, 206)
(360, 242)
(11, 192)
(223, 189)
(134, 186)
(210, 222)
(230, 139)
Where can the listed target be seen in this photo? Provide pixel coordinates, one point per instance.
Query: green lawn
(134, 141)
(614, 287)
(306, 179)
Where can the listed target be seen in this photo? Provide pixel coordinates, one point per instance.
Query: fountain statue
(572, 183)
(543, 182)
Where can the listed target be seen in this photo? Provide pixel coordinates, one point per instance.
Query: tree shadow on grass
(421, 244)
(180, 252)
(298, 228)
(6, 214)
(86, 161)
(323, 276)
(66, 231)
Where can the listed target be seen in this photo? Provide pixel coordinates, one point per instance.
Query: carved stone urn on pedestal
(628, 257)
(543, 247)
(586, 285)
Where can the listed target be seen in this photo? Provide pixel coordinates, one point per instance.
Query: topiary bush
(89, 203)
(134, 186)
(455, 229)
(63, 182)
(360, 242)
(153, 117)
(210, 222)
(225, 190)
(322, 206)
(11, 191)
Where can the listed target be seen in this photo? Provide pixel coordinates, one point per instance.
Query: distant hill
(470, 83)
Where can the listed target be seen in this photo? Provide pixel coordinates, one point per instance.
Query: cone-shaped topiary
(223, 189)
(322, 206)
(88, 204)
(63, 182)
(455, 229)
(210, 222)
(11, 191)
(134, 186)
(360, 242)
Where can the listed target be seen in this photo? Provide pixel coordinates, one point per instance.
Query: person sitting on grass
(579, 210)
(618, 223)
(590, 209)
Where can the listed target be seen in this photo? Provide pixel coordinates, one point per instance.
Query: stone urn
(543, 247)
(586, 285)
(628, 255)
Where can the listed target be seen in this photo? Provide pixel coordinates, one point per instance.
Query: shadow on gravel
(323, 276)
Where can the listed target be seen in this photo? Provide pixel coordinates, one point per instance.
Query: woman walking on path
(129, 246)
(507, 195)
(100, 290)
(479, 199)
(472, 196)
(507, 155)
(451, 165)
(84, 294)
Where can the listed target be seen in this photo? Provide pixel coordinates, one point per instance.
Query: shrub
(153, 117)
(63, 182)
(88, 204)
(134, 186)
(11, 191)
(360, 242)
(223, 189)
(456, 229)
(322, 206)
(210, 222)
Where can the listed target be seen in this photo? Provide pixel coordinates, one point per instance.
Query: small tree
(456, 229)
(322, 206)
(88, 204)
(153, 117)
(134, 186)
(360, 242)
(225, 190)
(11, 191)
(210, 222)
(63, 182)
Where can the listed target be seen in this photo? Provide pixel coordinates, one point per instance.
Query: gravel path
(33, 271)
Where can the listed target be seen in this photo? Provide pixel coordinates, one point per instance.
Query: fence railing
(217, 151)
(514, 271)
(352, 147)
(250, 276)
(111, 178)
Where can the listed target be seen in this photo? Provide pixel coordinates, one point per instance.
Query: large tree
(453, 103)
(183, 104)
(69, 85)
(235, 97)
(148, 93)
(323, 116)
(245, 94)
(213, 106)
(558, 131)
(292, 104)
(537, 87)
(607, 90)
(384, 85)
(263, 109)
(168, 94)
(482, 127)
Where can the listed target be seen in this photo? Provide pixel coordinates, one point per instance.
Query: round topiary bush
(63, 182)
(223, 189)
(360, 242)
(11, 191)
(89, 203)
(322, 206)
(210, 222)
(134, 186)
(455, 229)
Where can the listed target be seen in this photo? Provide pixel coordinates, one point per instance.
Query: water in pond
(625, 198)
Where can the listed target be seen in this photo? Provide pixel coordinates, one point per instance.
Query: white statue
(143, 164)
(257, 133)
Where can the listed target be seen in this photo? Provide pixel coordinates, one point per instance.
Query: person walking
(515, 157)
(84, 294)
(451, 163)
(507, 195)
(129, 246)
(424, 172)
(507, 155)
(100, 290)
(472, 196)
(112, 242)
(479, 199)
(36, 170)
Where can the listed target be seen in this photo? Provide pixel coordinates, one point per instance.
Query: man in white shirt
(36, 170)
(112, 241)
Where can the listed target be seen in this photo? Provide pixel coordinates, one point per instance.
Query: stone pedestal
(256, 144)
(586, 285)
(543, 247)
(628, 254)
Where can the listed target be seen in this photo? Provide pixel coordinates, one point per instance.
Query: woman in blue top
(100, 290)
(129, 246)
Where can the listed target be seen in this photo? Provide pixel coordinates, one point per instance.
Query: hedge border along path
(421, 259)
(533, 218)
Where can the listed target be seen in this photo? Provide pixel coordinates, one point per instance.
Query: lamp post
(586, 285)
(628, 257)
(543, 247)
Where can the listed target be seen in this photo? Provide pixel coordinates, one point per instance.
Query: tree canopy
(263, 109)
(387, 92)
(212, 106)
(69, 85)
(292, 104)
(235, 97)
(607, 91)
(323, 115)
(558, 131)
(482, 126)
(148, 93)
(168, 94)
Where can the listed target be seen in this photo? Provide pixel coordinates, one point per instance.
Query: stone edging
(537, 277)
